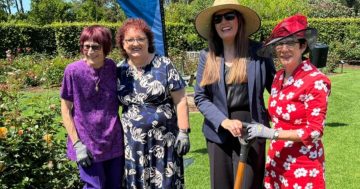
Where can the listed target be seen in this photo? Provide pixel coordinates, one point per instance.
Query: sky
(26, 5)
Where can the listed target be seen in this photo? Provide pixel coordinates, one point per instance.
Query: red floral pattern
(298, 103)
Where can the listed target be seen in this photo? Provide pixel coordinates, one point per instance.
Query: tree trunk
(17, 6)
(21, 6)
(8, 5)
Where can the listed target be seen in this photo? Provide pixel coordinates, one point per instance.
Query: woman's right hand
(232, 125)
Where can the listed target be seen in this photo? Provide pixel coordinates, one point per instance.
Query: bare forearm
(183, 114)
(290, 135)
(68, 120)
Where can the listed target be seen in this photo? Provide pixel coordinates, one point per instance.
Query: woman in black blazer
(229, 89)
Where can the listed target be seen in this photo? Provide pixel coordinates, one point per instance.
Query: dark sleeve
(203, 97)
(270, 73)
(174, 79)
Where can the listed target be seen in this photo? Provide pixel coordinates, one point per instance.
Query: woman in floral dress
(297, 105)
(155, 112)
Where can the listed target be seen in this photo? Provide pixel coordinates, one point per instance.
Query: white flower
(158, 151)
(276, 185)
(313, 173)
(268, 159)
(277, 154)
(137, 135)
(320, 152)
(313, 155)
(298, 83)
(320, 85)
(286, 166)
(309, 186)
(283, 181)
(290, 108)
(173, 74)
(156, 178)
(297, 121)
(304, 150)
(315, 135)
(286, 116)
(288, 144)
(169, 139)
(297, 186)
(300, 172)
(169, 170)
(315, 112)
(289, 81)
(166, 109)
(128, 154)
(156, 133)
(315, 74)
(155, 88)
(306, 67)
(279, 110)
(282, 95)
(300, 132)
(274, 92)
(302, 97)
(309, 97)
(275, 120)
(290, 159)
(133, 113)
(144, 80)
(290, 96)
(273, 103)
(273, 174)
(273, 163)
(267, 185)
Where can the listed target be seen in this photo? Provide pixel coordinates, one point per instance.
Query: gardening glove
(259, 130)
(83, 155)
(182, 143)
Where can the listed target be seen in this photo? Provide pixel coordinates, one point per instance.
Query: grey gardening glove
(83, 155)
(182, 143)
(259, 130)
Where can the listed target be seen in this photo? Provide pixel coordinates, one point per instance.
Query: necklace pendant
(96, 88)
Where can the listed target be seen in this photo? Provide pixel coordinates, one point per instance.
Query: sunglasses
(228, 16)
(289, 44)
(94, 47)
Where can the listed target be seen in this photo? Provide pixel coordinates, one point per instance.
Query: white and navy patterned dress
(150, 124)
(298, 103)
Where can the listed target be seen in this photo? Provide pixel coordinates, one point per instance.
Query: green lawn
(342, 147)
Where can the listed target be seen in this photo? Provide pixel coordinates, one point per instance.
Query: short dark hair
(98, 34)
(138, 24)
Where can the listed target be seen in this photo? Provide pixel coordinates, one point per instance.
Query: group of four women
(144, 148)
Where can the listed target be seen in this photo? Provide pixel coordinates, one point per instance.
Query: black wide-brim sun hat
(204, 19)
(295, 26)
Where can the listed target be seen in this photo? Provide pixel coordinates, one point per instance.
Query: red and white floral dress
(298, 103)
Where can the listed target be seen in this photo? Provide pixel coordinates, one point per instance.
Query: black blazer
(211, 99)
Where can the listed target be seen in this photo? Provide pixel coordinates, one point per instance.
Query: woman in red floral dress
(297, 105)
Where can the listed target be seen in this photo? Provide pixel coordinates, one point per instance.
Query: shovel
(245, 146)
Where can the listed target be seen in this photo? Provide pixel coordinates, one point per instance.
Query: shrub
(31, 155)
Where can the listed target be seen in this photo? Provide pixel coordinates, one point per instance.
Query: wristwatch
(185, 130)
(276, 134)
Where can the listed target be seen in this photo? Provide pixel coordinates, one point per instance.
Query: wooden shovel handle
(239, 175)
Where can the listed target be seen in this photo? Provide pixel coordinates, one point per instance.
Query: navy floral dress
(150, 124)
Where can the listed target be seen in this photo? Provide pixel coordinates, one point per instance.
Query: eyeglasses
(94, 47)
(140, 40)
(228, 16)
(289, 44)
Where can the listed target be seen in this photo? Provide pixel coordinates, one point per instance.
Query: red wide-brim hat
(295, 26)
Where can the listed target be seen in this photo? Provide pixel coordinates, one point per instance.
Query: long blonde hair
(237, 72)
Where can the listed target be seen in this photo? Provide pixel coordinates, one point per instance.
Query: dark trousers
(224, 159)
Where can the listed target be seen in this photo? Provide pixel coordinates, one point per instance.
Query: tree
(48, 11)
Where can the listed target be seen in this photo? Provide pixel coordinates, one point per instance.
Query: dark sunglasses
(228, 16)
(94, 47)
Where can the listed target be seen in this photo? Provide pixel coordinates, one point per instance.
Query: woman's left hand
(182, 143)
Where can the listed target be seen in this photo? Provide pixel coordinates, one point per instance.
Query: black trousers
(224, 160)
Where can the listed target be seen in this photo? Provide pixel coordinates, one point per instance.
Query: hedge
(62, 38)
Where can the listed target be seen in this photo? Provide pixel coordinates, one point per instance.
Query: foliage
(30, 154)
(49, 11)
(277, 9)
(326, 9)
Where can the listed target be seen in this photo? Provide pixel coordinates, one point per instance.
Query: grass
(341, 138)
